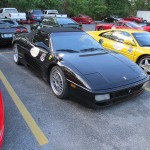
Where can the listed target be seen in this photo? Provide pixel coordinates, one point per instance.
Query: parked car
(56, 22)
(8, 28)
(83, 19)
(110, 19)
(12, 13)
(134, 19)
(34, 15)
(144, 14)
(1, 120)
(74, 63)
(52, 13)
(122, 24)
(134, 44)
(145, 26)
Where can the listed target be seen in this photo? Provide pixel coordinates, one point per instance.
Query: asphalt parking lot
(36, 120)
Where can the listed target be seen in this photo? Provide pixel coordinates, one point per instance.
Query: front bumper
(116, 95)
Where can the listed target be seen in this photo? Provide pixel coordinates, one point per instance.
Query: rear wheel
(101, 28)
(58, 82)
(144, 63)
(16, 54)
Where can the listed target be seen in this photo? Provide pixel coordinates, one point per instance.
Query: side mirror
(43, 46)
(129, 42)
(101, 41)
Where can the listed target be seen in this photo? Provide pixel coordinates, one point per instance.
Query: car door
(40, 41)
(104, 39)
(117, 43)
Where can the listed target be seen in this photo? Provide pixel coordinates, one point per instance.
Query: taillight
(18, 30)
(24, 30)
(9, 15)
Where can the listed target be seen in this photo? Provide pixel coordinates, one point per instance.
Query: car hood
(105, 70)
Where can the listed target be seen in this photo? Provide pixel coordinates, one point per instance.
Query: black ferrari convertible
(75, 64)
(8, 28)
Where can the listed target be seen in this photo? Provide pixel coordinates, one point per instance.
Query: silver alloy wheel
(145, 65)
(56, 82)
(16, 56)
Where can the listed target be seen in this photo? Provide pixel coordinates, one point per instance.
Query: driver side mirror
(43, 46)
(129, 42)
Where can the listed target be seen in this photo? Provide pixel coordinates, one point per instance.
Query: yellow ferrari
(134, 44)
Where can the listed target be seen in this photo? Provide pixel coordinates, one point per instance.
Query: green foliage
(93, 8)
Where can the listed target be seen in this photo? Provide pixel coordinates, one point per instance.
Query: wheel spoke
(146, 62)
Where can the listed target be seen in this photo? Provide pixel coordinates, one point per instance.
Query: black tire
(16, 54)
(58, 83)
(144, 63)
(101, 28)
(32, 29)
(144, 21)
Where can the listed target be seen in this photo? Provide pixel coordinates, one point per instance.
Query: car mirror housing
(129, 42)
(101, 41)
(42, 45)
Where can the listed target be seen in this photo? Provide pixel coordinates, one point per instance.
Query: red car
(1, 120)
(122, 24)
(134, 18)
(82, 19)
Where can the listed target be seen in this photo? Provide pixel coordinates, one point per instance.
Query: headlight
(103, 97)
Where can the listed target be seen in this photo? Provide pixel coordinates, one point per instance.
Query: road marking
(37, 132)
(146, 88)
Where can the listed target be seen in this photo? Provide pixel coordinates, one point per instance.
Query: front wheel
(16, 54)
(144, 63)
(58, 82)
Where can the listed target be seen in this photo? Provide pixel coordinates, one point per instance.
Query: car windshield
(8, 23)
(11, 10)
(142, 38)
(65, 21)
(74, 42)
(133, 25)
(37, 12)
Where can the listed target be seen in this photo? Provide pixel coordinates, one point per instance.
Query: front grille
(127, 91)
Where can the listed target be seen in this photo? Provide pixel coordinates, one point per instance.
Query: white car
(12, 13)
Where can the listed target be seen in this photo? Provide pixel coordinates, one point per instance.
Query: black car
(76, 64)
(34, 15)
(8, 28)
(56, 22)
(110, 19)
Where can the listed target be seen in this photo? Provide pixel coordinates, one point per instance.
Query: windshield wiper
(91, 49)
(68, 50)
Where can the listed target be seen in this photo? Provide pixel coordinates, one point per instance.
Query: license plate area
(6, 35)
